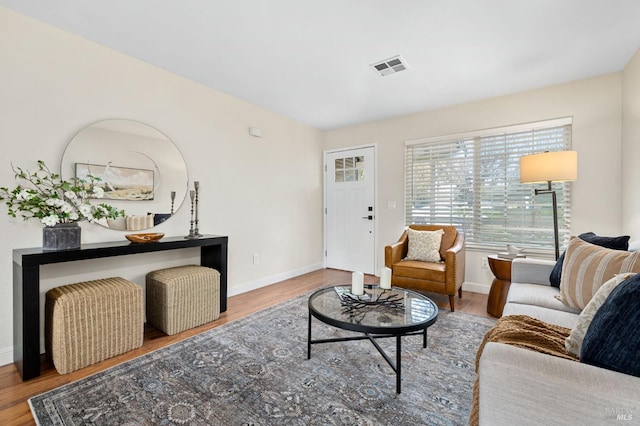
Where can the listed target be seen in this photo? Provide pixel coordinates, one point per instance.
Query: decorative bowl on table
(147, 237)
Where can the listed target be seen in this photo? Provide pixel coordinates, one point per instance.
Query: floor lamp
(559, 166)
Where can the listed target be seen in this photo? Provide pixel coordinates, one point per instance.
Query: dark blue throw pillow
(615, 243)
(158, 218)
(612, 340)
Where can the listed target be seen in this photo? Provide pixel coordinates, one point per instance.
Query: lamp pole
(555, 214)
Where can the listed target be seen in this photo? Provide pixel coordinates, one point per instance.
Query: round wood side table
(501, 269)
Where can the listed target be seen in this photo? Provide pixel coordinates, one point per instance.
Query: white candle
(357, 283)
(385, 278)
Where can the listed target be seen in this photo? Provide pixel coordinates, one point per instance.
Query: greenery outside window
(472, 181)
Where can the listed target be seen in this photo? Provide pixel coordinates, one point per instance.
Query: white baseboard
(243, 288)
(476, 287)
(6, 355)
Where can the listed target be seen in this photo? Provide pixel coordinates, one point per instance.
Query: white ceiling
(309, 59)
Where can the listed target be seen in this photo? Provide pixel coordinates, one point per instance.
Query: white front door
(350, 209)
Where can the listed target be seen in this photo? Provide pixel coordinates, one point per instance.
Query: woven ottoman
(91, 321)
(183, 297)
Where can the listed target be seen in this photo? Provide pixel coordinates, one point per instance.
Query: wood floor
(14, 393)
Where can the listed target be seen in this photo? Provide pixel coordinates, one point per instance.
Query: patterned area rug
(255, 371)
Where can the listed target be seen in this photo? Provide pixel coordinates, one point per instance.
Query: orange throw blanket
(525, 332)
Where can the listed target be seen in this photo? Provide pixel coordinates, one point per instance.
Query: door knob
(368, 217)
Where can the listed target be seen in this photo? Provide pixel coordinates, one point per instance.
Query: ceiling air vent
(390, 66)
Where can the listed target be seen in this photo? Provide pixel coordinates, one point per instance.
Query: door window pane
(349, 169)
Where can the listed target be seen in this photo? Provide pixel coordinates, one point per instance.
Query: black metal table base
(397, 366)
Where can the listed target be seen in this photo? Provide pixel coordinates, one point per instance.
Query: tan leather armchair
(445, 277)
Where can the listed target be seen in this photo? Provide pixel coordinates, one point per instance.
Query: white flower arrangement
(47, 197)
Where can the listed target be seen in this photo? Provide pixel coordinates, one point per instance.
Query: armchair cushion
(424, 245)
(420, 270)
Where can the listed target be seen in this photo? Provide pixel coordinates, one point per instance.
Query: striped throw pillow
(139, 223)
(587, 266)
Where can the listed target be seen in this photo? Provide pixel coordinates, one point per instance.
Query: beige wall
(264, 193)
(594, 104)
(631, 146)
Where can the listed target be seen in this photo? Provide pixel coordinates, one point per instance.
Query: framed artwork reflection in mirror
(120, 183)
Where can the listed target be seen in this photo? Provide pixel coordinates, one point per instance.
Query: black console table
(26, 284)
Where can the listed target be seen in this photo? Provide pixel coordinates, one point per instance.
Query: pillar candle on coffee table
(357, 283)
(385, 278)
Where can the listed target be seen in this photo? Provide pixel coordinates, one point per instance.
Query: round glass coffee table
(379, 314)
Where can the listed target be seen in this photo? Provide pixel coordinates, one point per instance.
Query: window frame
(533, 208)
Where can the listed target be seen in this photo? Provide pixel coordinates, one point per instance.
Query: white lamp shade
(549, 167)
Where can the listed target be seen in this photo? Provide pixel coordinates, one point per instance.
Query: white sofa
(523, 387)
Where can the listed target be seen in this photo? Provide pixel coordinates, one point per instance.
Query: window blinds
(472, 181)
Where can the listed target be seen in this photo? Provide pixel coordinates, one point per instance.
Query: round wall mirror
(142, 171)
